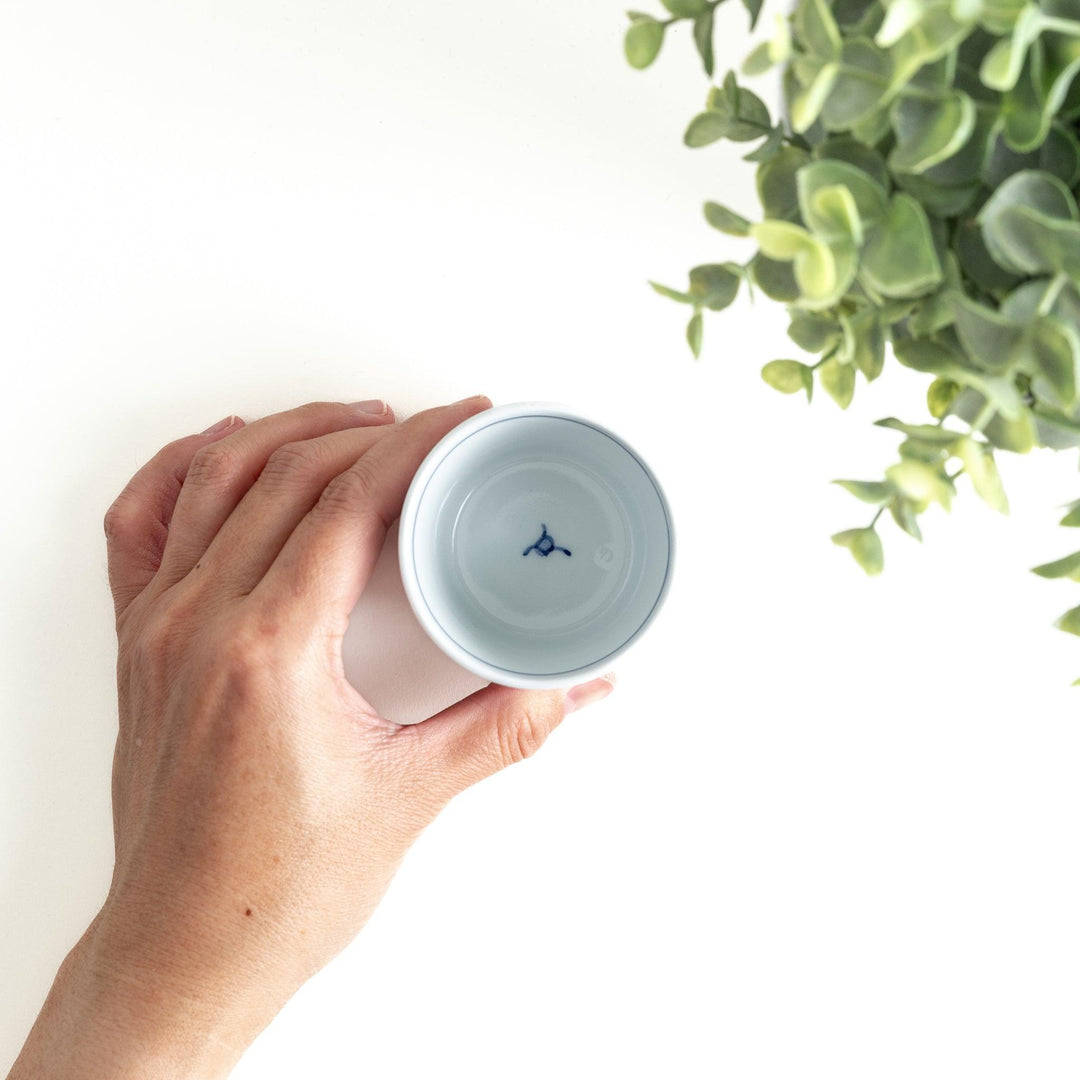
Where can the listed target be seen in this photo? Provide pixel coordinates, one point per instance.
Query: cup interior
(541, 545)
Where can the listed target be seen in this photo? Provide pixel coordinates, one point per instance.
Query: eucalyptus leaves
(921, 193)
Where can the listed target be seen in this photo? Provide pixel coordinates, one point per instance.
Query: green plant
(919, 197)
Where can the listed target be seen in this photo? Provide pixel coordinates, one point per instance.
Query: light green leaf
(865, 546)
(869, 491)
(1051, 349)
(940, 395)
(871, 199)
(833, 215)
(814, 263)
(928, 433)
(643, 40)
(807, 105)
(1002, 65)
(812, 332)
(929, 132)
(1072, 519)
(694, 331)
(901, 16)
(920, 482)
(838, 381)
(769, 148)
(789, 377)
(979, 465)
(705, 128)
(899, 259)
(1070, 623)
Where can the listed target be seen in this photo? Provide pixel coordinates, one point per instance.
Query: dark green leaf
(754, 8)
(870, 491)
(903, 513)
(1068, 567)
(672, 294)
(714, 286)
(726, 220)
(703, 39)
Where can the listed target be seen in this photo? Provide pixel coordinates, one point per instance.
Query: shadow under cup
(535, 545)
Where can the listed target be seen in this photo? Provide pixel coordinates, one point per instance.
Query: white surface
(825, 826)
(479, 505)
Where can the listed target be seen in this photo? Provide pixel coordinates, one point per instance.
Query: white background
(826, 826)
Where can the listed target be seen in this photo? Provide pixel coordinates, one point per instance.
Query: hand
(261, 806)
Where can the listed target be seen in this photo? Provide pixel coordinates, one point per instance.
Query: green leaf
(864, 159)
(989, 338)
(1070, 623)
(714, 286)
(903, 513)
(1068, 567)
(812, 332)
(1030, 225)
(643, 40)
(864, 342)
(789, 377)
(694, 331)
(777, 183)
(1072, 518)
(775, 279)
(870, 491)
(703, 39)
(769, 148)
(672, 294)
(838, 381)
(816, 29)
(726, 220)
(865, 546)
(754, 8)
(746, 114)
(861, 87)
(979, 464)
(928, 132)
(685, 9)
(899, 259)
(706, 128)
(1050, 349)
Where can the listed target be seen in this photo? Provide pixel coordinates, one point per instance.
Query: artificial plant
(918, 199)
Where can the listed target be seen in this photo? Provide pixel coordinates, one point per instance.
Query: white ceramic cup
(535, 546)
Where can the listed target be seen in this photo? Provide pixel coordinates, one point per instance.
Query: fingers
(290, 484)
(220, 474)
(137, 523)
(496, 727)
(325, 563)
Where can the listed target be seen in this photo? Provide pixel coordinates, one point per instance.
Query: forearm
(102, 1020)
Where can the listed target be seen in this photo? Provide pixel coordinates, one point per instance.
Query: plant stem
(984, 417)
(881, 510)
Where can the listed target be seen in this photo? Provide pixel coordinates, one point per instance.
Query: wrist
(106, 1015)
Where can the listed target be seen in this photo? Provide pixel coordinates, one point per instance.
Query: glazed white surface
(825, 826)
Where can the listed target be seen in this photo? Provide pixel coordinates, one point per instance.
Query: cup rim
(410, 581)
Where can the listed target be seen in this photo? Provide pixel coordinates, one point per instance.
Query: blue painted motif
(545, 545)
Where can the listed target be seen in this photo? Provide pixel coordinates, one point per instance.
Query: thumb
(496, 727)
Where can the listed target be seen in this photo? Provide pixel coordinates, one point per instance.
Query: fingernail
(221, 425)
(475, 397)
(375, 406)
(577, 697)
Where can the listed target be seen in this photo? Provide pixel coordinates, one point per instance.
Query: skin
(260, 805)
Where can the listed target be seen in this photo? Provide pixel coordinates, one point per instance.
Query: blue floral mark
(545, 545)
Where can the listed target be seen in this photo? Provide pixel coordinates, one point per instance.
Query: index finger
(321, 571)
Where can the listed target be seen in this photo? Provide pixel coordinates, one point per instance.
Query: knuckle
(521, 734)
(350, 491)
(118, 517)
(212, 464)
(292, 461)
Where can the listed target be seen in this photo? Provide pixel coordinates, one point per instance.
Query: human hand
(261, 806)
